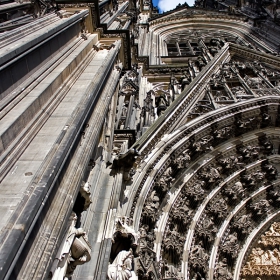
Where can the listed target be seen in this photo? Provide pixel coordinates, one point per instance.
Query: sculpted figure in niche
(222, 272)
(153, 202)
(210, 174)
(121, 268)
(124, 109)
(196, 191)
(261, 207)
(182, 213)
(204, 144)
(230, 162)
(206, 228)
(249, 152)
(199, 257)
(182, 160)
(198, 252)
(223, 133)
(246, 124)
(235, 191)
(243, 223)
(162, 104)
(253, 179)
(231, 245)
(185, 79)
(218, 207)
(165, 180)
(85, 193)
(146, 237)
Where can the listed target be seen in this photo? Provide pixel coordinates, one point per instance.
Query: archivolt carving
(221, 271)
(231, 163)
(206, 228)
(243, 223)
(245, 160)
(173, 244)
(182, 216)
(235, 191)
(272, 236)
(195, 191)
(260, 208)
(165, 180)
(182, 160)
(198, 257)
(218, 207)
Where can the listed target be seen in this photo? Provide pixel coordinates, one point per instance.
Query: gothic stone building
(138, 145)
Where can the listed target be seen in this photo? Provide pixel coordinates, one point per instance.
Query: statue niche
(124, 238)
(162, 104)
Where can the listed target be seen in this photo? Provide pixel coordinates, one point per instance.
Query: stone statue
(196, 191)
(152, 202)
(235, 191)
(204, 144)
(165, 180)
(162, 104)
(124, 110)
(222, 272)
(229, 163)
(231, 245)
(206, 228)
(85, 193)
(243, 223)
(199, 258)
(75, 251)
(271, 171)
(182, 160)
(218, 206)
(261, 207)
(223, 133)
(121, 268)
(210, 174)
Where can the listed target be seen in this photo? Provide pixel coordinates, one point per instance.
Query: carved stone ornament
(206, 228)
(204, 144)
(121, 268)
(243, 223)
(164, 182)
(230, 245)
(221, 271)
(85, 193)
(75, 251)
(182, 160)
(199, 258)
(123, 228)
(263, 262)
(264, 259)
(272, 236)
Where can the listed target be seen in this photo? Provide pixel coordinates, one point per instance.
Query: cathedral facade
(138, 145)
